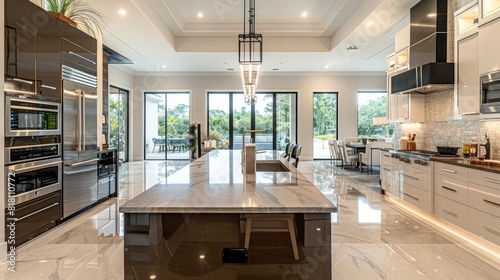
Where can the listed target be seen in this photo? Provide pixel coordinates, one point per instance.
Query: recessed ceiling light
(200, 14)
(326, 67)
(304, 14)
(202, 256)
(122, 12)
(152, 276)
(164, 66)
(370, 23)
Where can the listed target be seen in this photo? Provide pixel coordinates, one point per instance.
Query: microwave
(490, 93)
(32, 117)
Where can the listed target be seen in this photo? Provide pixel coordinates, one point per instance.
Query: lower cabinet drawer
(451, 211)
(485, 199)
(451, 188)
(417, 197)
(485, 225)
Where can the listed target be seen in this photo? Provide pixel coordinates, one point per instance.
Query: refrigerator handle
(79, 122)
(83, 120)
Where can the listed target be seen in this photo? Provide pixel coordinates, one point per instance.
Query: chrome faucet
(486, 147)
(243, 147)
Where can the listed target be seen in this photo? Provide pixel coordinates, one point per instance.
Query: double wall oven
(33, 165)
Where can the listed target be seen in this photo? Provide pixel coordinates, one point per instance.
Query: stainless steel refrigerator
(79, 140)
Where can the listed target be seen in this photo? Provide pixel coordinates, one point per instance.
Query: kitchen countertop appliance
(79, 139)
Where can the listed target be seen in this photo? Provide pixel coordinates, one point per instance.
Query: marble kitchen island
(178, 228)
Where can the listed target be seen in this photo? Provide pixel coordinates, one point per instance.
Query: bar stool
(272, 217)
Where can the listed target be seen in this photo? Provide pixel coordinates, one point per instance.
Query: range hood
(429, 72)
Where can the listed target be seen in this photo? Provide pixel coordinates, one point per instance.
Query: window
(371, 104)
(229, 116)
(325, 122)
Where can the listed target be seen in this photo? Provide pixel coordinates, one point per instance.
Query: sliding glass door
(118, 121)
(229, 116)
(166, 124)
(325, 123)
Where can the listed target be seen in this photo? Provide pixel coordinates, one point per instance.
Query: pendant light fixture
(250, 54)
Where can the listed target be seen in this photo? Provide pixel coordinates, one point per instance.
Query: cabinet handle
(449, 170)
(387, 169)
(22, 81)
(411, 177)
(450, 213)
(491, 180)
(387, 156)
(411, 196)
(450, 189)
(48, 87)
(31, 214)
(82, 162)
(491, 202)
(494, 231)
(82, 57)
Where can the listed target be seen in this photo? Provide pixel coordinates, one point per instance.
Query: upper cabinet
(467, 59)
(489, 56)
(402, 107)
(48, 54)
(20, 42)
(490, 10)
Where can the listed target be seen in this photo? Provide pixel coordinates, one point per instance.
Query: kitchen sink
(487, 162)
(271, 166)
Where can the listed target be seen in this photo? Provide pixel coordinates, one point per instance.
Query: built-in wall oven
(31, 117)
(490, 93)
(33, 182)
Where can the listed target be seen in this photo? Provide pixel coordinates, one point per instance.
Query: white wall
(346, 86)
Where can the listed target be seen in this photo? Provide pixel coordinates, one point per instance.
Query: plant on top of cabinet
(79, 12)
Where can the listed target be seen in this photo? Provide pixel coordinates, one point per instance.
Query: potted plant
(193, 139)
(78, 13)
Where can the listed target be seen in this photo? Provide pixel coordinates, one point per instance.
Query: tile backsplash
(441, 128)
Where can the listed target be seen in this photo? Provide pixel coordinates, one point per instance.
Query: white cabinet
(489, 56)
(490, 9)
(468, 198)
(416, 185)
(407, 107)
(402, 38)
(467, 59)
(468, 75)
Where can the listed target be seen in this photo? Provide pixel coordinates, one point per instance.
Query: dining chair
(286, 153)
(290, 150)
(371, 156)
(334, 155)
(155, 142)
(349, 156)
(338, 151)
(297, 150)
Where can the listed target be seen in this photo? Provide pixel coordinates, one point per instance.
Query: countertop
(466, 163)
(214, 183)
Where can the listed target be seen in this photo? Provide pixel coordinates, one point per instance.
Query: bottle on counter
(466, 150)
(473, 148)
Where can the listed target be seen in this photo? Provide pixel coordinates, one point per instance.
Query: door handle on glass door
(83, 120)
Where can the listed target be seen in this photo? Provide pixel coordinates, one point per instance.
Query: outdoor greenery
(366, 112)
(117, 120)
(325, 116)
(219, 119)
(177, 120)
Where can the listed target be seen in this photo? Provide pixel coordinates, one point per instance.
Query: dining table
(357, 146)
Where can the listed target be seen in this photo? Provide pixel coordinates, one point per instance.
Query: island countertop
(215, 183)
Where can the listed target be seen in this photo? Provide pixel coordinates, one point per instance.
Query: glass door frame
(336, 119)
(165, 93)
(127, 119)
(252, 113)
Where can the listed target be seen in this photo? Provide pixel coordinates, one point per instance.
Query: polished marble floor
(372, 237)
